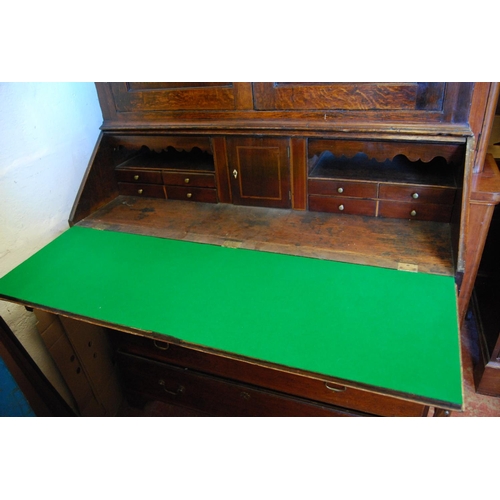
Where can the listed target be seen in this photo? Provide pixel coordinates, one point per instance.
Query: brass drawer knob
(139, 191)
(414, 196)
(341, 207)
(136, 177)
(186, 180)
(340, 190)
(189, 195)
(413, 213)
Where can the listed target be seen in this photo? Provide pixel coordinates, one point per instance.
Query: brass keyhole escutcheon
(235, 173)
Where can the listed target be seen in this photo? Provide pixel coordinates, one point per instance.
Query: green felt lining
(386, 328)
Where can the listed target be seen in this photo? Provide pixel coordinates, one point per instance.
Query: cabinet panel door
(179, 96)
(349, 96)
(259, 170)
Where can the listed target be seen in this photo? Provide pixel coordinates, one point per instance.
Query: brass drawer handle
(341, 208)
(139, 191)
(413, 213)
(162, 348)
(340, 190)
(179, 390)
(415, 196)
(136, 177)
(335, 389)
(186, 180)
(189, 195)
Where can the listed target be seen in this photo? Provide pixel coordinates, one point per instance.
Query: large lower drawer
(212, 395)
(294, 384)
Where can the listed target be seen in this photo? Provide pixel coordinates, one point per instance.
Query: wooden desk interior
(355, 239)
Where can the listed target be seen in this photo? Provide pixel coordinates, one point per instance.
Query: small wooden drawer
(139, 176)
(145, 190)
(417, 211)
(204, 195)
(189, 179)
(342, 188)
(294, 384)
(341, 205)
(213, 395)
(417, 194)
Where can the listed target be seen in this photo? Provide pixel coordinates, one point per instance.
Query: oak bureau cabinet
(253, 242)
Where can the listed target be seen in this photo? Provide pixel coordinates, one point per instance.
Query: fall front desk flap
(389, 329)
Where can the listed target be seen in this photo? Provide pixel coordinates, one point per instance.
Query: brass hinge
(411, 268)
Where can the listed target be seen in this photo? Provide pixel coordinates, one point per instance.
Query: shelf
(398, 170)
(171, 159)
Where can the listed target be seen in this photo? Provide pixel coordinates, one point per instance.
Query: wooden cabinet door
(179, 96)
(349, 96)
(259, 169)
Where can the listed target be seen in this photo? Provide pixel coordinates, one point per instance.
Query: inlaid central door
(259, 169)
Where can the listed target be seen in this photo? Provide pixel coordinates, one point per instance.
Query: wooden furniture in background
(487, 296)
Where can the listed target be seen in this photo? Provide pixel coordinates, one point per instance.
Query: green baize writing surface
(385, 328)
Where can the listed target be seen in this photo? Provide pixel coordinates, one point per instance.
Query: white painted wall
(47, 134)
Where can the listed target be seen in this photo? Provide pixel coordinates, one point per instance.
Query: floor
(476, 405)
(13, 402)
